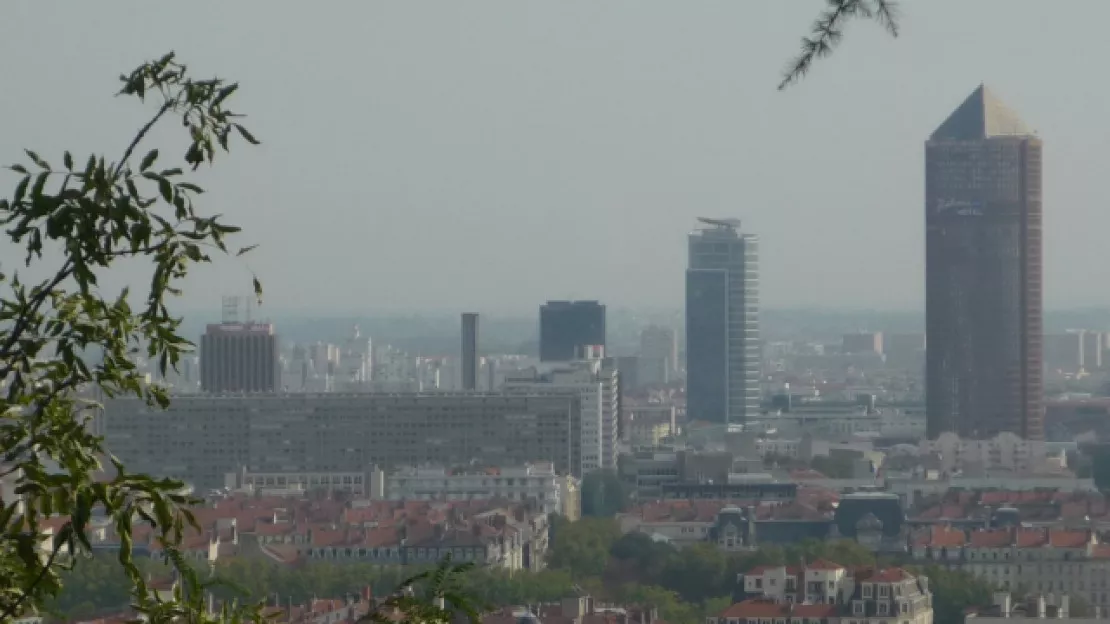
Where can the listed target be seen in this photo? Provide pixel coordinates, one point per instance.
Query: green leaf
(38, 160)
(40, 184)
(166, 189)
(245, 250)
(224, 93)
(18, 169)
(148, 160)
(257, 289)
(67, 159)
(247, 135)
(21, 189)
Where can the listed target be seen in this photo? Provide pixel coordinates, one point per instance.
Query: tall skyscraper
(567, 326)
(984, 362)
(722, 323)
(239, 357)
(470, 351)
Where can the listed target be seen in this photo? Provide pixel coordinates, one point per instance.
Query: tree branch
(166, 107)
(24, 321)
(828, 30)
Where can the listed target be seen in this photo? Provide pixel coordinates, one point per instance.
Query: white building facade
(598, 388)
(536, 482)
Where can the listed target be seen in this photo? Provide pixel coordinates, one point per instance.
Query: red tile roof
(1069, 539)
(887, 575)
(994, 538)
(941, 537)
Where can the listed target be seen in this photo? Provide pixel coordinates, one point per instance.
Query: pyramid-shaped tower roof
(982, 115)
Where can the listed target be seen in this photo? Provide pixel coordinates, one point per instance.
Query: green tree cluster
(689, 583)
(954, 591)
(582, 548)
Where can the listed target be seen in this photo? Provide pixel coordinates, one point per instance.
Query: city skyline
(683, 120)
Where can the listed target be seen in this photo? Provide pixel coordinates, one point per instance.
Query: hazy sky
(492, 154)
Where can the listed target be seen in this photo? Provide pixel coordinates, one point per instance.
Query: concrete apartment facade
(534, 482)
(598, 388)
(203, 438)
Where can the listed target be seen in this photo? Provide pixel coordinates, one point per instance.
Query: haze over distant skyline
(490, 155)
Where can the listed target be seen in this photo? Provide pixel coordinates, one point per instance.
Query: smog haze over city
(491, 155)
(554, 312)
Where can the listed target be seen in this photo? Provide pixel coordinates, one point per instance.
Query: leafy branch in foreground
(431, 597)
(74, 223)
(828, 30)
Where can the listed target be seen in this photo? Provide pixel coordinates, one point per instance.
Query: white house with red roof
(824, 592)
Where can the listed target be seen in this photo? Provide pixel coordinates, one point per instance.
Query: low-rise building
(1005, 451)
(1032, 610)
(532, 482)
(828, 593)
(1043, 560)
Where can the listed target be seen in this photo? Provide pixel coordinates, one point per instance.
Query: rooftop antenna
(230, 313)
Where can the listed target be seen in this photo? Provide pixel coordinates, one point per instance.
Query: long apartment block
(203, 438)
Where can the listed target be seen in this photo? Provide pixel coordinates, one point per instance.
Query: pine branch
(828, 30)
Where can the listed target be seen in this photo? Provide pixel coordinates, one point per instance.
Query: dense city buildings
(983, 243)
(658, 355)
(723, 358)
(469, 351)
(568, 326)
(540, 484)
(239, 357)
(201, 439)
(355, 369)
(597, 386)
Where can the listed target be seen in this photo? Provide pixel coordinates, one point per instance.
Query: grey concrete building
(568, 326)
(470, 351)
(239, 357)
(203, 438)
(722, 323)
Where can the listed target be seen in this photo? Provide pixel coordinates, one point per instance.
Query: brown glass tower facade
(984, 371)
